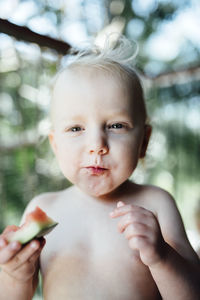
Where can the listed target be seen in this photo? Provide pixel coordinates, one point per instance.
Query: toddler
(116, 240)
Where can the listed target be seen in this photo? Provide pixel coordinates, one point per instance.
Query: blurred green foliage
(28, 166)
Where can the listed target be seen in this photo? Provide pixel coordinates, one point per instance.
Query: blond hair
(116, 58)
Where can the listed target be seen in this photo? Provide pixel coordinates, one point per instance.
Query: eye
(117, 126)
(75, 128)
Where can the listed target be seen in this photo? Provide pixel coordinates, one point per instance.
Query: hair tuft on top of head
(116, 49)
(116, 57)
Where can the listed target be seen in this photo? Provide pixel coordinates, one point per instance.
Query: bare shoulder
(155, 199)
(162, 204)
(164, 207)
(46, 201)
(43, 200)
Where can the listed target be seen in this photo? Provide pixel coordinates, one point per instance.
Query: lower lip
(96, 171)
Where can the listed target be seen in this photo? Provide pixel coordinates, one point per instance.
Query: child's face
(96, 137)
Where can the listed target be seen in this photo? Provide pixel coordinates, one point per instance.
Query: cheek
(66, 147)
(68, 155)
(126, 150)
(129, 152)
(129, 161)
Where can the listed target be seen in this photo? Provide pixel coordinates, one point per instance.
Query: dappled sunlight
(27, 70)
(168, 63)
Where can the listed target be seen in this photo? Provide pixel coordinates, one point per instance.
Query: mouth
(96, 170)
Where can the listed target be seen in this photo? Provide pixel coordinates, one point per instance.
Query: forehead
(84, 78)
(87, 86)
(97, 92)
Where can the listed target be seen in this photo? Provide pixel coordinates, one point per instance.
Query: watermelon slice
(37, 224)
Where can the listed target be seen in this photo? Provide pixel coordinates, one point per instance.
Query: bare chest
(86, 258)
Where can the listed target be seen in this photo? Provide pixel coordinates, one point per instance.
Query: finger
(131, 218)
(137, 216)
(34, 259)
(3, 242)
(10, 228)
(9, 252)
(138, 243)
(25, 254)
(35, 256)
(122, 210)
(136, 229)
(22, 256)
(5, 233)
(28, 268)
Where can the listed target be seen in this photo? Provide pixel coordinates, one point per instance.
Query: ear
(52, 141)
(147, 134)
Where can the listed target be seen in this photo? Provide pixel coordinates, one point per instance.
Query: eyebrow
(74, 118)
(112, 115)
(120, 114)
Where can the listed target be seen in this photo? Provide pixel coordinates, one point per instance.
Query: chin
(100, 192)
(96, 191)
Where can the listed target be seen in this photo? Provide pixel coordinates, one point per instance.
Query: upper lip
(96, 167)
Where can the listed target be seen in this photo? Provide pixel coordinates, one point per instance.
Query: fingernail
(34, 245)
(14, 245)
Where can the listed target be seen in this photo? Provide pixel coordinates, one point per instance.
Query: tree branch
(180, 76)
(160, 80)
(25, 34)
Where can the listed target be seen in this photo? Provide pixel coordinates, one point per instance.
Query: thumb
(10, 228)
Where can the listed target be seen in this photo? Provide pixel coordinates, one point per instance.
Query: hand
(19, 261)
(142, 230)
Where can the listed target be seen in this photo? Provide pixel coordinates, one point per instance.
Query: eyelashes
(116, 127)
(75, 129)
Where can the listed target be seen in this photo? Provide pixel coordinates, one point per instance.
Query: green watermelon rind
(31, 231)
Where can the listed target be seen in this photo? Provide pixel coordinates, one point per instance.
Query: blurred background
(168, 35)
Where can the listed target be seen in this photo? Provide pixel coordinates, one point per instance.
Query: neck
(125, 189)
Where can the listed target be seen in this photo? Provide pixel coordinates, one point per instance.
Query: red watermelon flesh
(37, 224)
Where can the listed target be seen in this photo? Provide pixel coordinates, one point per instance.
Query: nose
(100, 151)
(98, 144)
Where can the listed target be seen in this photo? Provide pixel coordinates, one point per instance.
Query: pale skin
(116, 240)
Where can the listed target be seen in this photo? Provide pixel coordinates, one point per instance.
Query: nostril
(100, 151)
